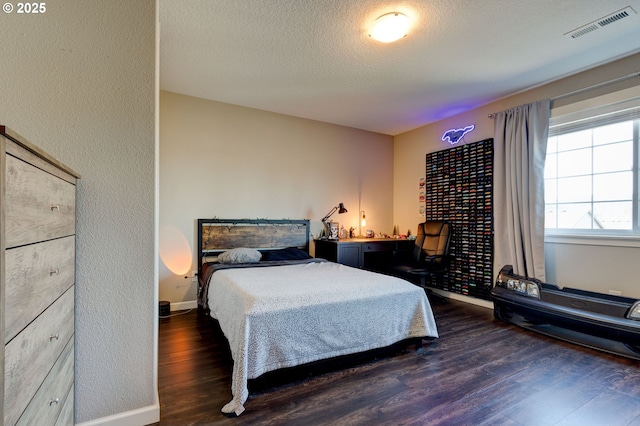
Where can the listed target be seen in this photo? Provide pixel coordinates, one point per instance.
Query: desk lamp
(327, 225)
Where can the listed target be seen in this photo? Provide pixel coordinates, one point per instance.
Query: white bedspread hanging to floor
(283, 316)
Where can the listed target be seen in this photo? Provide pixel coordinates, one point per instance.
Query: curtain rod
(589, 88)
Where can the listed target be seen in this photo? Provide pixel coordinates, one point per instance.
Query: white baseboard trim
(138, 417)
(467, 299)
(193, 304)
(180, 306)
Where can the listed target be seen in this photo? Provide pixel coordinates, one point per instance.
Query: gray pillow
(240, 255)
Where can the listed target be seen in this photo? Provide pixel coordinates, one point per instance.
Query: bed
(287, 309)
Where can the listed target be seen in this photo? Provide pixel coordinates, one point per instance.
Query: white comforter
(283, 316)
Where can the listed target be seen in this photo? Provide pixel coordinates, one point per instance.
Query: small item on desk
(334, 230)
(370, 233)
(352, 232)
(343, 233)
(323, 233)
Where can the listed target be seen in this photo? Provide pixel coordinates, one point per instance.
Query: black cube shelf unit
(459, 189)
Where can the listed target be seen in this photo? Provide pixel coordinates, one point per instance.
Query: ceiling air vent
(601, 22)
(613, 18)
(583, 30)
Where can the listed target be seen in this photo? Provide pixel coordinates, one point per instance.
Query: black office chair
(430, 258)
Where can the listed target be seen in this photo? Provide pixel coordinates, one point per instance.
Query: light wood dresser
(37, 283)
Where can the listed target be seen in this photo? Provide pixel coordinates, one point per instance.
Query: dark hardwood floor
(479, 372)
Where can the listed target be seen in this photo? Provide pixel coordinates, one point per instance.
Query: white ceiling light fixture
(390, 27)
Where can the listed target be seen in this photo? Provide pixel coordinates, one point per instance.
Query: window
(591, 171)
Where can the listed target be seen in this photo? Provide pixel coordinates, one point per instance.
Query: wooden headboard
(218, 235)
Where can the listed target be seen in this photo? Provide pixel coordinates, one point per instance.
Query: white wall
(586, 266)
(225, 161)
(79, 82)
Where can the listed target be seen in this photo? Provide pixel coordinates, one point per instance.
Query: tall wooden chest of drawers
(37, 284)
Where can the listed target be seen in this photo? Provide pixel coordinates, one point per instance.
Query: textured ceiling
(314, 59)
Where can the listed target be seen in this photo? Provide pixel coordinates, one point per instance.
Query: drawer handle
(55, 207)
(54, 272)
(54, 336)
(54, 401)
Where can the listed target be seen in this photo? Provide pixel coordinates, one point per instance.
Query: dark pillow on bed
(290, 253)
(239, 255)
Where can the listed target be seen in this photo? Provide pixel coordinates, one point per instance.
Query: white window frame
(623, 105)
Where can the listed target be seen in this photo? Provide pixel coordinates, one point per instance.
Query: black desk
(375, 254)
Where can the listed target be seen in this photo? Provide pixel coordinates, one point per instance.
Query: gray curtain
(520, 146)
